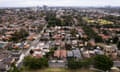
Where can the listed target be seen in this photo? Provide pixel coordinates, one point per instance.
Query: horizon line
(56, 6)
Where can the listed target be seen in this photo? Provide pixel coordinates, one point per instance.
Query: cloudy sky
(25, 3)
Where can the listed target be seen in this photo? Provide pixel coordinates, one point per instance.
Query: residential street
(33, 45)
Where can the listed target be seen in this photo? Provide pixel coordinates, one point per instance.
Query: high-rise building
(45, 7)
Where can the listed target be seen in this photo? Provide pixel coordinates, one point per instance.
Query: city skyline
(30, 3)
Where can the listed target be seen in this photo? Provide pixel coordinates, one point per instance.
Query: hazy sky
(25, 3)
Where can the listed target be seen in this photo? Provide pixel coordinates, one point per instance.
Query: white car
(60, 61)
(53, 61)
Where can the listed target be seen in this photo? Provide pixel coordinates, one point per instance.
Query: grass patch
(59, 70)
(99, 21)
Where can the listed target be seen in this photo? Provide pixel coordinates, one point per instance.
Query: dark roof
(3, 66)
(7, 60)
(77, 53)
(69, 53)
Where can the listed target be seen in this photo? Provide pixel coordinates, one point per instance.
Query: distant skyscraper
(45, 7)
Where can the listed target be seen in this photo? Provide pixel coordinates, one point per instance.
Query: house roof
(77, 53)
(2, 66)
(60, 53)
(69, 53)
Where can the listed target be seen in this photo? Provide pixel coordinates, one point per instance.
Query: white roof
(37, 52)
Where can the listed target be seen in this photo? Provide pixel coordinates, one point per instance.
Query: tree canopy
(102, 62)
(35, 63)
(19, 35)
(91, 34)
(118, 45)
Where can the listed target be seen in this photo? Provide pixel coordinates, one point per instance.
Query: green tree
(74, 64)
(102, 62)
(14, 68)
(118, 45)
(19, 35)
(77, 64)
(35, 63)
(115, 39)
(92, 34)
(68, 46)
(86, 62)
(31, 52)
(73, 32)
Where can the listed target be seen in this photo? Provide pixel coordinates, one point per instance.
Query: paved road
(116, 63)
(33, 45)
(57, 65)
